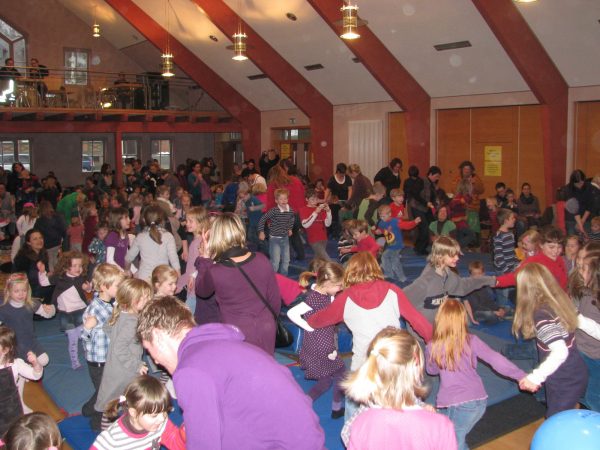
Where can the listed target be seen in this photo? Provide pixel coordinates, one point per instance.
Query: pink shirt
(75, 233)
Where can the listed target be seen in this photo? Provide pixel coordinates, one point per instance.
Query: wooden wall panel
(587, 144)
(397, 139)
(531, 152)
(453, 143)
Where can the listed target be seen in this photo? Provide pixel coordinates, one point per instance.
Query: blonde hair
(258, 188)
(66, 259)
(443, 246)
(384, 209)
(161, 274)
(359, 225)
(145, 395)
(306, 278)
(534, 237)
(328, 271)
(281, 191)
(536, 288)
(86, 208)
(362, 268)
(396, 193)
(200, 215)
(392, 375)
(106, 274)
(131, 291)
(379, 188)
(227, 231)
(14, 279)
(450, 341)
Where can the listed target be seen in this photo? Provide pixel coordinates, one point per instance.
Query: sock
(73, 337)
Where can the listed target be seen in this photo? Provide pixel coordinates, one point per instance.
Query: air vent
(314, 67)
(356, 60)
(452, 45)
(258, 76)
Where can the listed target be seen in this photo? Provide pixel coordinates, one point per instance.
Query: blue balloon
(573, 429)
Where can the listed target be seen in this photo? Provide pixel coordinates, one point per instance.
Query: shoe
(336, 414)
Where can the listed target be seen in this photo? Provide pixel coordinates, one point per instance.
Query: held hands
(289, 232)
(90, 322)
(526, 385)
(87, 286)
(49, 309)
(261, 235)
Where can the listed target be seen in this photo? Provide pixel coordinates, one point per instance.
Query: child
(217, 201)
(439, 279)
(359, 229)
(320, 188)
(97, 248)
(105, 281)
(452, 354)
(25, 222)
(544, 311)
(75, 234)
(505, 259)
(315, 218)
(281, 220)
(572, 246)
(367, 209)
(491, 204)
(390, 386)
(70, 288)
(124, 358)
(318, 355)
(529, 244)
(480, 304)
(17, 313)
(164, 280)
(35, 431)
(89, 216)
(117, 240)
(253, 207)
(145, 423)
(345, 243)
(367, 305)
(13, 372)
(394, 242)
(155, 245)
(594, 234)
(397, 205)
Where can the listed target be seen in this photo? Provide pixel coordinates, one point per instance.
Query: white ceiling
(568, 30)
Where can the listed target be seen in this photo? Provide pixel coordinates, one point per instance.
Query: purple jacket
(235, 396)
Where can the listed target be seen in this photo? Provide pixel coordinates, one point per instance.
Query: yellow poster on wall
(492, 153)
(285, 151)
(492, 169)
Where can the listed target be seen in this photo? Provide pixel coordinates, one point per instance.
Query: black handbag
(283, 336)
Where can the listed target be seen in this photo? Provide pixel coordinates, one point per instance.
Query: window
(92, 156)
(129, 149)
(15, 151)
(76, 66)
(12, 45)
(161, 151)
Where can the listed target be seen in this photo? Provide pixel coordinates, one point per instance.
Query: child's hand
(41, 267)
(31, 358)
(501, 312)
(261, 235)
(90, 322)
(417, 220)
(48, 309)
(526, 385)
(184, 255)
(87, 286)
(143, 369)
(289, 232)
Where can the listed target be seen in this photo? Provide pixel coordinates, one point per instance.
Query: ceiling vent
(452, 45)
(314, 67)
(356, 60)
(258, 76)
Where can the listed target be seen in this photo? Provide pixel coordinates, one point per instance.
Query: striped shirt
(280, 221)
(505, 258)
(95, 341)
(120, 435)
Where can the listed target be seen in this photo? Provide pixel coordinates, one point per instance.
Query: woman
(32, 259)
(195, 183)
(528, 205)
(338, 192)
(223, 261)
(476, 189)
(361, 186)
(53, 228)
(579, 204)
(106, 178)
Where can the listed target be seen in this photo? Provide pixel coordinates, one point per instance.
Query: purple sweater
(235, 396)
(465, 385)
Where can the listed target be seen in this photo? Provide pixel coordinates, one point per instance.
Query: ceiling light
(239, 46)
(213, 38)
(291, 16)
(350, 21)
(96, 30)
(167, 56)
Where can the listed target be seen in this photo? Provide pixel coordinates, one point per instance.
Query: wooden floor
(517, 440)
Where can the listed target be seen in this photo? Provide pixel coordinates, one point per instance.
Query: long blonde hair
(537, 287)
(443, 246)
(362, 268)
(392, 375)
(18, 278)
(450, 340)
(130, 292)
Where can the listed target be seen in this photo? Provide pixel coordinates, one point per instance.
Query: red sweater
(366, 244)
(556, 267)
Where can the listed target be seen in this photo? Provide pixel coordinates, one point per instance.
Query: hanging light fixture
(349, 22)
(96, 26)
(240, 45)
(167, 56)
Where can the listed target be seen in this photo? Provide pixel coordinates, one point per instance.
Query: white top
(153, 254)
(22, 371)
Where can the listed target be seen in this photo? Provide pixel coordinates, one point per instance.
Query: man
(232, 393)
(9, 71)
(390, 176)
(361, 186)
(38, 71)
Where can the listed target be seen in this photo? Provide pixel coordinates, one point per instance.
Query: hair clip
(375, 353)
(122, 399)
(17, 276)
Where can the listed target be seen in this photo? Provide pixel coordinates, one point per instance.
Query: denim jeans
(504, 297)
(488, 317)
(190, 301)
(591, 399)
(279, 252)
(391, 262)
(464, 417)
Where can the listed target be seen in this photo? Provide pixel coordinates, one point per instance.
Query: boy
(367, 210)
(480, 304)
(254, 209)
(397, 205)
(392, 227)
(315, 218)
(281, 220)
(106, 280)
(594, 234)
(505, 258)
(364, 241)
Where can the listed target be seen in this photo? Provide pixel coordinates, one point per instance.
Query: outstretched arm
(295, 315)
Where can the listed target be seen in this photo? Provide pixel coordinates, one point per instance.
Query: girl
(318, 355)
(124, 358)
(75, 233)
(452, 354)
(35, 431)
(529, 244)
(390, 386)
(70, 287)
(197, 223)
(155, 245)
(89, 216)
(53, 228)
(25, 222)
(164, 281)
(117, 240)
(544, 311)
(17, 313)
(367, 305)
(572, 246)
(144, 424)
(13, 372)
(97, 248)
(439, 279)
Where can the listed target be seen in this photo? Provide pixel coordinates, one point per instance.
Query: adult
(475, 188)
(337, 193)
(9, 72)
(68, 206)
(579, 204)
(233, 395)
(32, 259)
(50, 191)
(53, 228)
(14, 178)
(195, 181)
(389, 176)
(414, 187)
(181, 175)
(268, 160)
(529, 205)
(361, 186)
(38, 71)
(249, 169)
(105, 181)
(432, 202)
(238, 302)
(257, 179)
(283, 176)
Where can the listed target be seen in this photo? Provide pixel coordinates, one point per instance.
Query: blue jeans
(279, 252)
(504, 297)
(391, 262)
(464, 417)
(591, 399)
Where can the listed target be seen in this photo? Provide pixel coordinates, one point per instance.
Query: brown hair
(359, 225)
(66, 259)
(114, 220)
(279, 177)
(145, 395)
(362, 268)
(328, 271)
(154, 217)
(167, 314)
(443, 246)
(552, 235)
(306, 278)
(503, 215)
(8, 343)
(379, 188)
(35, 431)
(476, 265)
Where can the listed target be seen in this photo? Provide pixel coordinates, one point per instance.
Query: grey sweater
(585, 343)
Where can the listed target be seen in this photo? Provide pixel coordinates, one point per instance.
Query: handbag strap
(258, 293)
